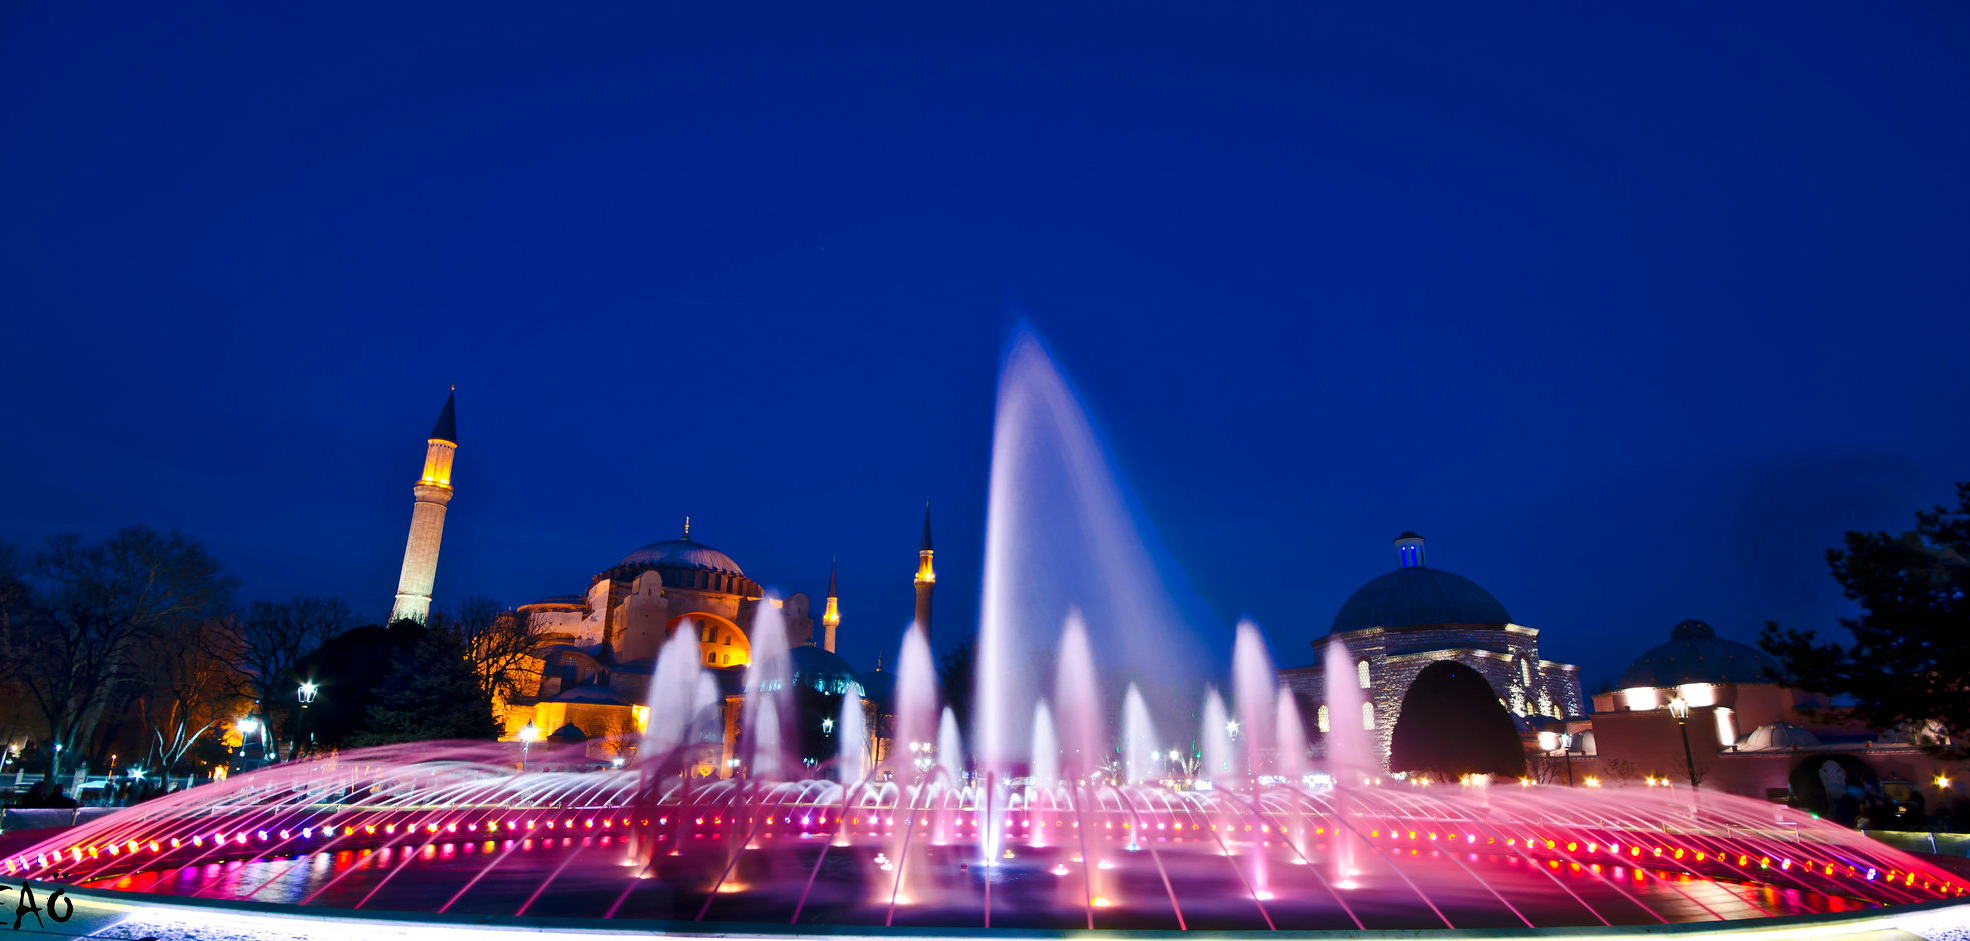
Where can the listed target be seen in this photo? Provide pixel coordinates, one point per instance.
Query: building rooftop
(1695, 654)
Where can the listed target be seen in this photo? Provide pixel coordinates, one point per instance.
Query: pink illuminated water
(1151, 804)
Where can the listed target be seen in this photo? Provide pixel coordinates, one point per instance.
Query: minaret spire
(926, 576)
(427, 519)
(831, 618)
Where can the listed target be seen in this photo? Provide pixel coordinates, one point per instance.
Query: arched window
(1320, 718)
(1368, 715)
(1525, 671)
(1361, 673)
(728, 660)
(711, 658)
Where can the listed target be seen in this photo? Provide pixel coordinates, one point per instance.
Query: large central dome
(683, 554)
(1416, 594)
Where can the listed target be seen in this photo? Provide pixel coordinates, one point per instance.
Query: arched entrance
(720, 642)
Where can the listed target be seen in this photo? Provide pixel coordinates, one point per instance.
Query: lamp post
(245, 727)
(528, 733)
(1566, 748)
(306, 694)
(1680, 708)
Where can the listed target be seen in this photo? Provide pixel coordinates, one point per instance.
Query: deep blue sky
(1631, 312)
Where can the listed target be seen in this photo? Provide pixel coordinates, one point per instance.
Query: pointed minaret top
(447, 427)
(831, 579)
(926, 525)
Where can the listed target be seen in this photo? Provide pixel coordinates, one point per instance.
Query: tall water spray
(1350, 752)
(1350, 748)
(1290, 732)
(673, 699)
(851, 732)
(950, 749)
(767, 697)
(1046, 748)
(1061, 532)
(1141, 754)
(1252, 683)
(916, 702)
(1077, 701)
(1215, 739)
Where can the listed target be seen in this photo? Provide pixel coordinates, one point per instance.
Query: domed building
(595, 670)
(1405, 620)
(595, 675)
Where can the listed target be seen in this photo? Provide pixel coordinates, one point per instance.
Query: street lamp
(1566, 748)
(1680, 708)
(528, 733)
(306, 694)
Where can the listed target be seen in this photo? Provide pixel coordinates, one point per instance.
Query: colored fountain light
(1063, 806)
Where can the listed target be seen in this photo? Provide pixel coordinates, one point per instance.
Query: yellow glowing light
(1942, 780)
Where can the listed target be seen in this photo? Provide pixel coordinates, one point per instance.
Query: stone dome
(683, 554)
(1695, 654)
(822, 671)
(1419, 595)
(1778, 735)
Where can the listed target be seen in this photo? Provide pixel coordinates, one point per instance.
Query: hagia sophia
(1697, 707)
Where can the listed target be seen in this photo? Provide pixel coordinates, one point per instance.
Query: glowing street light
(528, 733)
(1231, 729)
(1680, 708)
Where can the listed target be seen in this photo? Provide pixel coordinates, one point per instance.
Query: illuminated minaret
(926, 577)
(427, 520)
(831, 618)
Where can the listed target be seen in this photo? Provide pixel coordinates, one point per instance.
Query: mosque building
(593, 673)
(1405, 620)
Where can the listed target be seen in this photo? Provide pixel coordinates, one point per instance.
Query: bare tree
(1621, 770)
(617, 736)
(78, 615)
(268, 639)
(502, 646)
(188, 692)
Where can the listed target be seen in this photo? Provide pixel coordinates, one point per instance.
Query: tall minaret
(831, 618)
(926, 577)
(427, 520)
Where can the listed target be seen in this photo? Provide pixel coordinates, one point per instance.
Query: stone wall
(1506, 655)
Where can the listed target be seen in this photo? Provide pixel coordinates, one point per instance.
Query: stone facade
(1507, 655)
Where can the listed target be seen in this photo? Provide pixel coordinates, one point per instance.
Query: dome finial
(687, 528)
(1409, 551)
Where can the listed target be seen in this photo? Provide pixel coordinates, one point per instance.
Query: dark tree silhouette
(1909, 664)
(1452, 724)
(431, 692)
(76, 618)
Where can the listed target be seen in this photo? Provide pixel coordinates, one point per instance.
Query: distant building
(1399, 623)
(1747, 733)
(595, 678)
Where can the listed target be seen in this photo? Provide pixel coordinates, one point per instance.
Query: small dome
(1695, 654)
(683, 554)
(1419, 595)
(822, 671)
(879, 687)
(1777, 735)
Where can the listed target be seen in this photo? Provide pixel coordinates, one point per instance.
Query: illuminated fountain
(1155, 805)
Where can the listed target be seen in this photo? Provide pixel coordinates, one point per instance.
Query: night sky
(1631, 312)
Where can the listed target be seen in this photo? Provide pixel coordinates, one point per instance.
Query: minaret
(831, 618)
(427, 520)
(926, 577)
